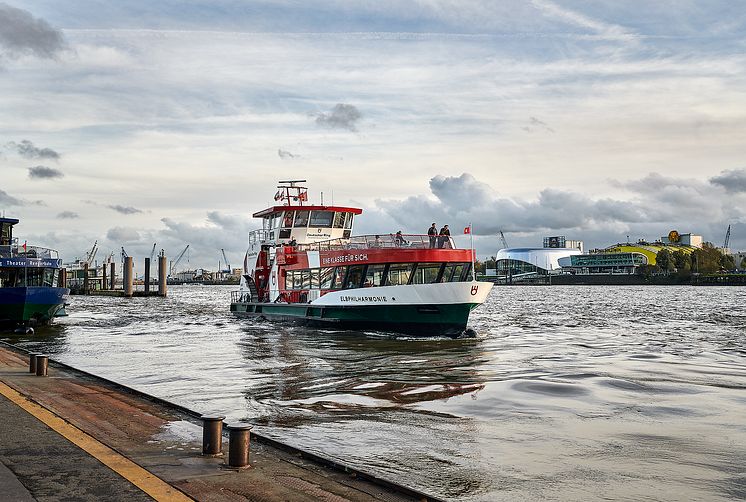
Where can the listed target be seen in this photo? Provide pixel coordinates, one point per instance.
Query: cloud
(8, 200)
(68, 215)
(21, 33)
(535, 123)
(123, 234)
(284, 154)
(124, 209)
(28, 150)
(43, 172)
(342, 116)
(733, 181)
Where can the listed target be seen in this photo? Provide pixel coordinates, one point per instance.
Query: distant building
(526, 264)
(675, 237)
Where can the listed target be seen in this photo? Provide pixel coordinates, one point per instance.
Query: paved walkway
(71, 437)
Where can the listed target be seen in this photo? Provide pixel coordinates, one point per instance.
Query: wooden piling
(162, 276)
(127, 276)
(86, 286)
(63, 277)
(112, 276)
(147, 276)
(103, 276)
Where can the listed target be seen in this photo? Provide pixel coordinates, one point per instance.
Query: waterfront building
(530, 264)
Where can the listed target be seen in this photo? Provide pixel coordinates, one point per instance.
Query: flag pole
(473, 256)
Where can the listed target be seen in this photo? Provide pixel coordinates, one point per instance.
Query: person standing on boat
(399, 239)
(432, 232)
(445, 234)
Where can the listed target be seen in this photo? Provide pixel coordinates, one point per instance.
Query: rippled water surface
(568, 393)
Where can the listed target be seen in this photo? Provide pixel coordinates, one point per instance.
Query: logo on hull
(474, 290)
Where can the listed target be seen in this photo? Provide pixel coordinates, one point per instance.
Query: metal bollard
(238, 446)
(212, 434)
(32, 363)
(42, 362)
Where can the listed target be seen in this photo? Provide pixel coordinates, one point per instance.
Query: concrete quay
(72, 436)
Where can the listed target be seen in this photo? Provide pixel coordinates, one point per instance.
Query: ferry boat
(29, 280)
(305, 265)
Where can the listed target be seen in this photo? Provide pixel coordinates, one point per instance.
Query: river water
(567, 393)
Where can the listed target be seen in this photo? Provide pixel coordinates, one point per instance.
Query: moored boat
(305, 265)
(29, 278)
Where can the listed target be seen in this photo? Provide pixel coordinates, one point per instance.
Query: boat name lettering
(28, 262)
(363, 299)
(328, 260)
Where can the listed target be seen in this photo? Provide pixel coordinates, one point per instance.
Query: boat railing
(258, 236)
(16, 251)
(388, 241)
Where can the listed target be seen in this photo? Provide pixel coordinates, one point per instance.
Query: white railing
(16, 251)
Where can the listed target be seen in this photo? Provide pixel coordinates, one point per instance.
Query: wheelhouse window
(321, 219)
(301, 219)
(374, 275)
(399, 274)
(354, 276)
(427, 273)
(452, 272)
(348, 220)
(287, 221)
(339, 220)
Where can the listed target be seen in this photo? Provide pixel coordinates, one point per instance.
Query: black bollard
(32, 363)
(238, 446)
(42, 362)
(212, 434)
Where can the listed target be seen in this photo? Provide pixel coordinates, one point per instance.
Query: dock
(71, 435)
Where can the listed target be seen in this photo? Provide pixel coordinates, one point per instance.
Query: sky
(137, 122)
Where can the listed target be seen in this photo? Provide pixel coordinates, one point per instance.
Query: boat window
(305, 282)
(287, 220)
(297, 279)
(374, 275)
(354, 276)
(339, 220)
(326, 277)
(339, 277)
(427, 273)
(465, 274)
(314, 278)
(348, 220)
(289, 279)
(301, 219)
(449, 270)
(321, 219)
(399, 274)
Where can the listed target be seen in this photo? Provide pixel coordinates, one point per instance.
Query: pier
(69, 434)
(86, 281)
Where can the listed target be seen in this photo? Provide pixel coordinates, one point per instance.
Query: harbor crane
(727, 239)
(124, 254)
(227, 264)
(175, 262)
(92, 253)
(152, 252)
(502, 239)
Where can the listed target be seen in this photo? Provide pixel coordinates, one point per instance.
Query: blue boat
(30, 289)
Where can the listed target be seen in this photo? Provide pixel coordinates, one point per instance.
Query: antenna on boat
(290, 192)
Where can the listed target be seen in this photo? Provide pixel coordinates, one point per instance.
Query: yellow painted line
(144, 480)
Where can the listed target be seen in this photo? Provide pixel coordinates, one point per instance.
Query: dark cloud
(28, 150)
(284, 154)
(44, 173)
(7, 200)
(124, 209)
(123, 235)
(534, 124)
(21, 33)
(733, 181)
(68, 215)
(342, 116)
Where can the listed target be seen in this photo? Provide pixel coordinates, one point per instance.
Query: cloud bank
(21, 33)
(342, 116)
(44, 173)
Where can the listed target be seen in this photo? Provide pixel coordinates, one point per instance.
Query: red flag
(24, 246)
(303, 196)
(467, 230)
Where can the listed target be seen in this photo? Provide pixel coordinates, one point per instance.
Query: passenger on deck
(432, 232)
(377, 242)
(444, 236)
(399, 239)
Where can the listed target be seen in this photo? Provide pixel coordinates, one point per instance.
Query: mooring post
(127, 276)
(238, 445)
(32, 362)
(112, 275)
(63, 277)
(103, 276)
(162, 275)
(42, 361)
(212, 434)
(147, 276)
(85, 278)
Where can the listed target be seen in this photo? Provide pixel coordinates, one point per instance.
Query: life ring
(274, 278)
